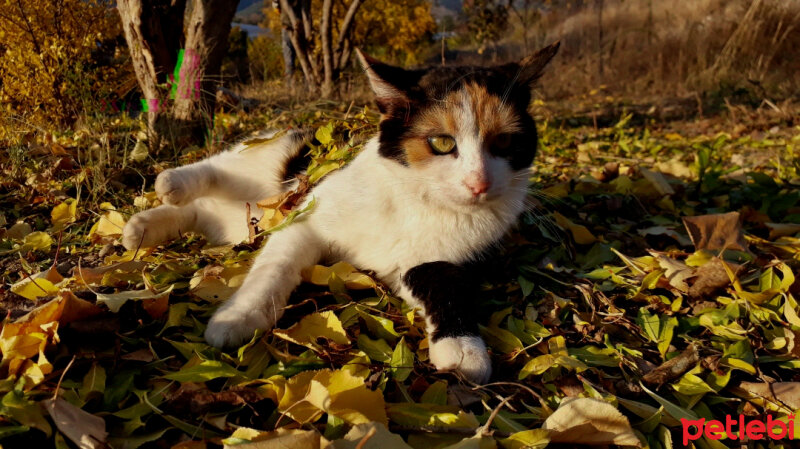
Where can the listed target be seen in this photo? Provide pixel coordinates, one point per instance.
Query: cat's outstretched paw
(466, 355)
(173, 188)
(230, 327)
(140, 232)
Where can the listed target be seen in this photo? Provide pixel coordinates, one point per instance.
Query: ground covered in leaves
(653, 280)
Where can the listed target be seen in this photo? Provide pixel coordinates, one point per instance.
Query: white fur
(375, 213)
(466, 355)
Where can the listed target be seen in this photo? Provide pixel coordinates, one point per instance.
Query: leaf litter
(646, 286)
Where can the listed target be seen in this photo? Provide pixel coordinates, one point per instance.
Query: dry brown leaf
(673, 368)
(784, 392)
(590, 421)
(710, 277)
(675, 271)
(658, 181)
(782, 229)
(716, 231)
(87, 431)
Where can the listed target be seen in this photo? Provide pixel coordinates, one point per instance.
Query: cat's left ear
(530, 68)
(390, 84)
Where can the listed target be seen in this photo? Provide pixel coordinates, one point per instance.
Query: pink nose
(477, 183)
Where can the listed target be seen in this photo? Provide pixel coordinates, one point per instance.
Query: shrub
(58, 59)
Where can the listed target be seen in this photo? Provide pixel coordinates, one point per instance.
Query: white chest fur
(375, 216)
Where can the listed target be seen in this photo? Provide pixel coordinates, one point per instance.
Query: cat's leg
(259, 302)
(220, 221)
(445, 294)
(242, 173)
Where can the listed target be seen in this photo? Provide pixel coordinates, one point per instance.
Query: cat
(444, 179)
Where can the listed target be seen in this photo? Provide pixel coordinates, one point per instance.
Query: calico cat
(443, 180)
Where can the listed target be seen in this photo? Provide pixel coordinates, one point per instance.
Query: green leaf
(402, 362)
(377, 350)
(206, 370)
(436, 393)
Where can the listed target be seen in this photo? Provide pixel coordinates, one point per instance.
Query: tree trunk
(327, 50)
(206, 42)
(153, 30)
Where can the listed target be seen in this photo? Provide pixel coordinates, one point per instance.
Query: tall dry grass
(675, 47)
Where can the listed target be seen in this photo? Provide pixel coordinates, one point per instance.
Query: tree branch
(344, 31)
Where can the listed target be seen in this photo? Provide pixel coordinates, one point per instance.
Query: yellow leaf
(34, 288)
(37, 241)
(339, 393)
(216, 283)
(110, 224)
(64, 214)
(590, 421)
(353, 279)
(311, 327)
(580, 233)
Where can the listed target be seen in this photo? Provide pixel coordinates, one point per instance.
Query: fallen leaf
(675, 271)
(710, 277)
(36, 241)
(114, 301)
(580, 233)
(658, 181)
(339, 393)
(278, 439)
(353, 279)
(311, 327)
(590, 421)
(64, 214)
(782, 229)
(18, 231)
(527, 439)
(216, 283)
(372, 435)
(87, 431)
(674, 367)
(716, 231)
(109, 226)
(787, 393)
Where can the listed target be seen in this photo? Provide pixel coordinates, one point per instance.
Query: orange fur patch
(491, 115)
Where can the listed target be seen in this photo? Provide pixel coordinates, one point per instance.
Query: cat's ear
(389, 83)
(530, 68)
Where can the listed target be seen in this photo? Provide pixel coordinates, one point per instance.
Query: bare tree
(321, 67)
(527, 14)
(179, 109)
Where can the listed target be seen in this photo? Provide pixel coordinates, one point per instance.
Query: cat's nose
(477, 183)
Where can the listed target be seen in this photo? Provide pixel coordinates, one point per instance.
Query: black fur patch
(299, 162)
(448, 293)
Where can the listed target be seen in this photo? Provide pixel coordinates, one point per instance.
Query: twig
(366, 438)
(63, 373)
(484, 429)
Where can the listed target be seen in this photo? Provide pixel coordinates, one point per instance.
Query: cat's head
(463, 134)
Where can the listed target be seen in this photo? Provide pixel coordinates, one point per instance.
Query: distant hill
(249, 11)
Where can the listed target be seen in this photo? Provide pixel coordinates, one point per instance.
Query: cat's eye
(442, 144)
(502, 141)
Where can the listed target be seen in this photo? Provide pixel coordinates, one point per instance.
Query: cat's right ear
(390, 84)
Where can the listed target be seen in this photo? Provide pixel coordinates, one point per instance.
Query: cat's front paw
(140, 232)
(230, 327)
(173, 188)
(466, 355)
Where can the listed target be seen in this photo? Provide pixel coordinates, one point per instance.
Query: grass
(599, 288)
